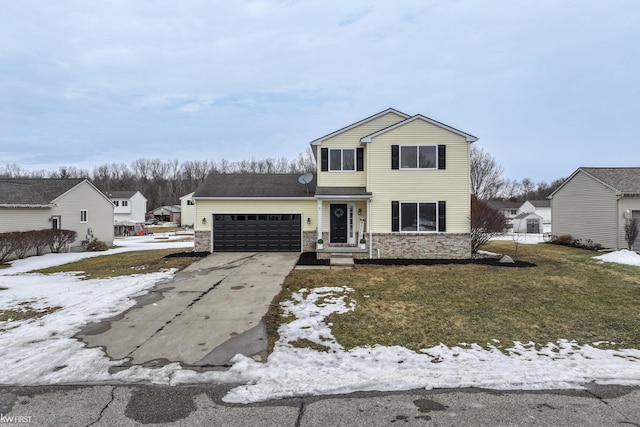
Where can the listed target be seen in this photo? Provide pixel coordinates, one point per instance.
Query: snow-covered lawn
(42, 351)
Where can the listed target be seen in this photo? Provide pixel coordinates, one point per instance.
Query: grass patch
(305, 343)
(124, 264)
(25, 312)
(568, 295)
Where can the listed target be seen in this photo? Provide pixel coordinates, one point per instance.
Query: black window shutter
(360, 159)
(395, 157)
(442, 156)
(395, 216)
(324, 162)
(442, 216)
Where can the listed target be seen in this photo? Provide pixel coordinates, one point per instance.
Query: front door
(338, 223)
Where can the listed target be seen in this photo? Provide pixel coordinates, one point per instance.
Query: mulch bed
(309, 258)
(191, 254)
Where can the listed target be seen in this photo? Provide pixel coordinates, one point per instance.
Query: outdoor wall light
(360, 212)
(308, 220)
(204, 220)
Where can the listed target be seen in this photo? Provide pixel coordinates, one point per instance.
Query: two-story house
(129, 210)
(399, 182)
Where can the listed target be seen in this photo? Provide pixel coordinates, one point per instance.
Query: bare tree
(486, 174)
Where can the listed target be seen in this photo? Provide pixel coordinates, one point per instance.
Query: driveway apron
(209, 312)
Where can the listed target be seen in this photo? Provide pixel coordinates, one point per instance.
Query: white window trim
(400, 203)
(418, 157)
(86, 216)
(355, 160)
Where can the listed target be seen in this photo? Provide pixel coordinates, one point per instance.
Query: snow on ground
(621, 257)
(42, 351)
(523, 238)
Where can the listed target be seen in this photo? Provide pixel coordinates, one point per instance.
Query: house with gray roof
(391, 185)
(71, 204)
(596, 203)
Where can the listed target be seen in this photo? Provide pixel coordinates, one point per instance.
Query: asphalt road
(110, 405)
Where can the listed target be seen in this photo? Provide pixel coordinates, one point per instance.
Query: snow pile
(621, 257)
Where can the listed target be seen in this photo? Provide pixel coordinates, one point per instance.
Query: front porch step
(341, 260)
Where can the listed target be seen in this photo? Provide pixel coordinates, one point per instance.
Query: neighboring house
(595, 203)
(129, 210)
(70, 204)
(527, 222)
(167, 213)
(401, 182)
(187, 211)
(509, 209)
(541, 208)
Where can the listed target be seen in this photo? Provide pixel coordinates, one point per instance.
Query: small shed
(528, 222)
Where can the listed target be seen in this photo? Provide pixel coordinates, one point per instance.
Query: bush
(486, 222)
(97, 246)
(59, 239)
(564, 240)
(568, 240)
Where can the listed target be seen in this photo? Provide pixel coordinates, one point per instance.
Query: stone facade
(421, 245)
(202, 241)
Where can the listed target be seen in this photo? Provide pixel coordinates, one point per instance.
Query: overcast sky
(547, 85)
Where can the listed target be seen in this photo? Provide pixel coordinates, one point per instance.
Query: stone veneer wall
(202, 241)
(420, 245)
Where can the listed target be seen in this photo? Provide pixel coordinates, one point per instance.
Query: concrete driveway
(209, 312)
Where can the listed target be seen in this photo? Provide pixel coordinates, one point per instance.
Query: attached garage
(257, 232)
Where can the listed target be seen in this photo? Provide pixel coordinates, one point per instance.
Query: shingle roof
(342, 191)
(254, 185)
(540, 203)
(625, 180)
(121, 194)
(34, 191)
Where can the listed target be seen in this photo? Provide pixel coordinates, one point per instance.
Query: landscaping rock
(506, 259)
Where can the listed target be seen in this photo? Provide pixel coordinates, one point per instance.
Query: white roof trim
(307, 198)
(468, 137)
(368, 119)
(345, 197)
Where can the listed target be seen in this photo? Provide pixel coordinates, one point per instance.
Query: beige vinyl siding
(206, 208)
(451, 185)
(351, 139)
(83, 196)
(99, 213)
(12, 219)
(631, 203)
(585, 209)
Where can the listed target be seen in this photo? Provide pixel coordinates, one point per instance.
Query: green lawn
(568, 295)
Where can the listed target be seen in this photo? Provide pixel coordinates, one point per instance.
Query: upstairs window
(341, 159)
(116, 203)
(83, 215)
(418, 157)
(425, 157)
(125, 203)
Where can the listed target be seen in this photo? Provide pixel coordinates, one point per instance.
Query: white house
(541, 208)
(129, 210)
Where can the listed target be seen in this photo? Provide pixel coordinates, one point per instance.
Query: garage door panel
(257, 233)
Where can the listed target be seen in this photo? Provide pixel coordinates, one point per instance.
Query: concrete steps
(341, 260)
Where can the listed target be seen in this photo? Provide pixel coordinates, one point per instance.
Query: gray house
(71, 204)
(596, 203)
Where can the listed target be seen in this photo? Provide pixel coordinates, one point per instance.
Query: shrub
(565, 240)
(97, 246)
(22, 243)
(58, 239)
(486, 222)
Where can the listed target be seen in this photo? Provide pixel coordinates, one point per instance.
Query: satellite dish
(306, 178)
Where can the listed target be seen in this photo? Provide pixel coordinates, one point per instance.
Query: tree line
(487, 182)
(163, 182)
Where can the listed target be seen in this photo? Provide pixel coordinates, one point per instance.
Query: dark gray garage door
(257, 233)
